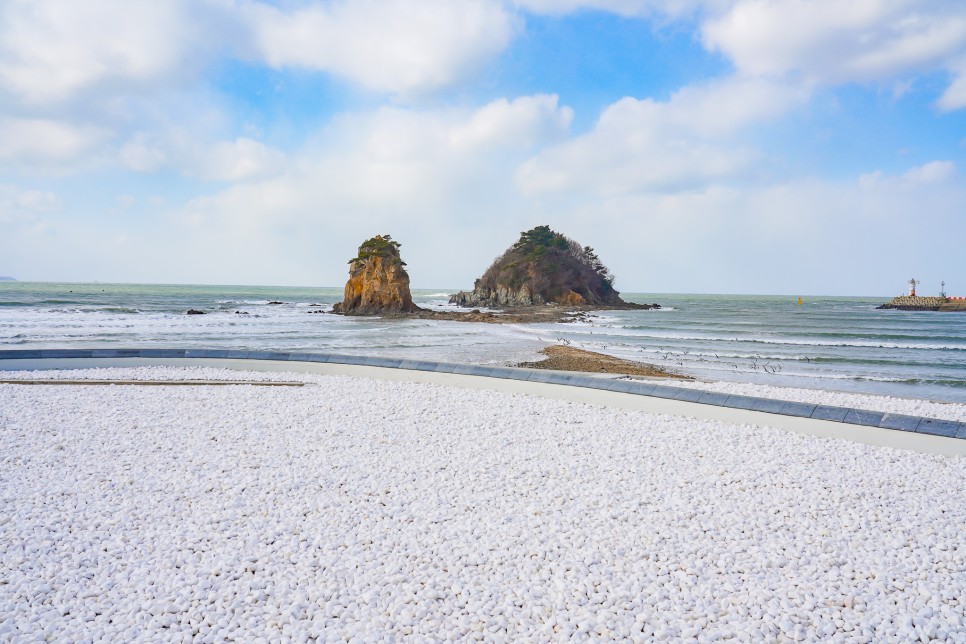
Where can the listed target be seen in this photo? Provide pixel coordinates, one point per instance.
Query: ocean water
(838, 343)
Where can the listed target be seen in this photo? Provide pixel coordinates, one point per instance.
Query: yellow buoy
(799, 301)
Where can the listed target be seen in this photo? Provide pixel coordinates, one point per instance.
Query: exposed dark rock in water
(195, 312)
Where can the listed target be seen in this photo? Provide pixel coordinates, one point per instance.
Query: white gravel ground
(890, 404)
(376, 510)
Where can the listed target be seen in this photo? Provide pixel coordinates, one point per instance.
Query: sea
(834, 343)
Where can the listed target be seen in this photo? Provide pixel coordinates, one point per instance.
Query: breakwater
(954, 304)
(918, 303)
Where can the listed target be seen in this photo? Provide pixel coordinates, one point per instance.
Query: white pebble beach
(367, 510)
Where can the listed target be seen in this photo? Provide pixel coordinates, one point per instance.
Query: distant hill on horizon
(4, 278)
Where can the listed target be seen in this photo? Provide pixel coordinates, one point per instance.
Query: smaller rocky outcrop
(378, 282)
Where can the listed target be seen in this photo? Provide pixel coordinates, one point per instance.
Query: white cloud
(525, 122)
(923, 176)
(118, 79)
(640, 145)
(53, 49)
(641, 8)
(930, 173)
(394, 160)
(398, 46)
(804, 235)
(27, 141)
(450, 199)
(834, 41)
(19, 206)
(429, 178)
(142, 153)
(818, 41)
(186, 152)
(954, 97)
(239, 160)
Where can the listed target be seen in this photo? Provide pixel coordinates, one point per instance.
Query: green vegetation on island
(378, 246)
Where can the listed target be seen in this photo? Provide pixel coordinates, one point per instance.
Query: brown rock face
(571, 298)
(378, 283)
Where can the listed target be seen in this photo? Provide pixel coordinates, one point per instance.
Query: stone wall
(914, 303)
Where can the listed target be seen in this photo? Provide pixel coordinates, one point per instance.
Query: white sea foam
(753, 340)
(389, 510)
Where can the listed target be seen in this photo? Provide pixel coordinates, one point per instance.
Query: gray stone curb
(896, 422)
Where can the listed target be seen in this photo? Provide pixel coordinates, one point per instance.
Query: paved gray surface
(895, 422)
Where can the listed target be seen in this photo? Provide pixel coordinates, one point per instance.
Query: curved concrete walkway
(874, 428)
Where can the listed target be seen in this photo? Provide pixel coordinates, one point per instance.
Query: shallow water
(828, 342)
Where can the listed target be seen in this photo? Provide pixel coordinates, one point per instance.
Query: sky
(700, 146)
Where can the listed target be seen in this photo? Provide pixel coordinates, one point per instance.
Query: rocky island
(378, 282)
(546, 267)
(544, 277)
(543, 268)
